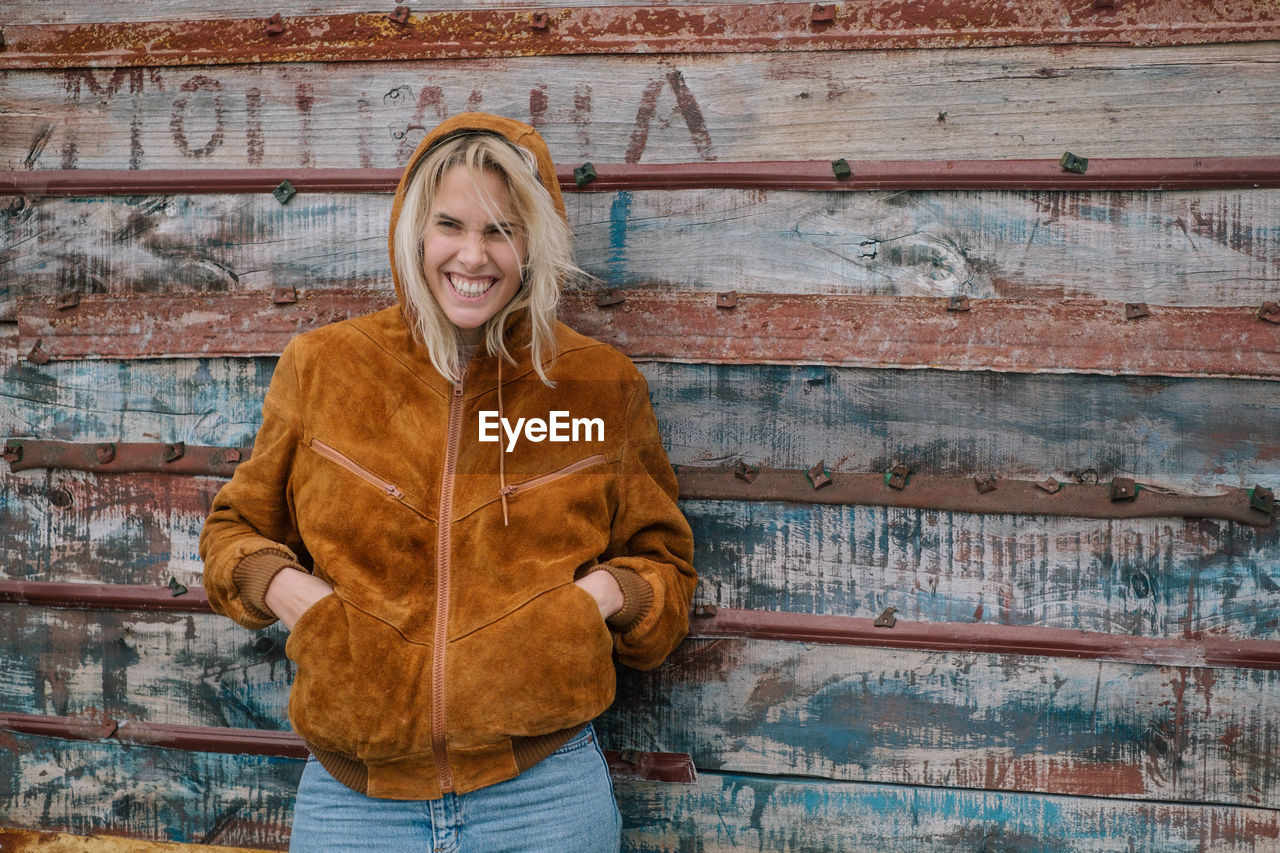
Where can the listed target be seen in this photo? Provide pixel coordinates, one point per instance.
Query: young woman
(463, 512)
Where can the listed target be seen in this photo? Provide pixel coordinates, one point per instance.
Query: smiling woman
(479, 592)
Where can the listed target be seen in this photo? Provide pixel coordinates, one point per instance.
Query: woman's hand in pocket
(292, 593)
(605, 590)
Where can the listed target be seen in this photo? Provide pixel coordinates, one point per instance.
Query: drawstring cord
(502, 466)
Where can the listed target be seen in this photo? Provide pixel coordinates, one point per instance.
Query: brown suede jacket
(456, 651)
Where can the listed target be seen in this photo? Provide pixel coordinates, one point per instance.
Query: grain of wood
(28, 841)
(1029, 102)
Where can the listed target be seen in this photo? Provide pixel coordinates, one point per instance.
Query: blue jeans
(563, 804)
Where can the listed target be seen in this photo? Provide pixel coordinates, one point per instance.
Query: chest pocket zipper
(363, 473)
(512, 488)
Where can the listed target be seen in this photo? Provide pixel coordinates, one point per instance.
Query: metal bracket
(1072, 163)
(284, 191)
(1262, 499)
(176, 588)
(399, 15)
(841, 168)
(584, 174)
(1050, 485)
(985, 484)
(704, 610)
(104, 452)
(728, 299)
(898, 477)
(37, 355)
(743, 471)
(284, 295)
(960, 302)
(818, 476)
(886, 619)
(67, 301)
(12, 451)
(1123, 489)
(275, 25)
(823, 13)
(1270, 311)
(174, 452)
(612, 296)
(540, 21)
(1134, 310)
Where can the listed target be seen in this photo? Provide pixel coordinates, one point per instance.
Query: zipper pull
(392, 491)
(508, 490)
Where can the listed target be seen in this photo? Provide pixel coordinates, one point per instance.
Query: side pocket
(349, 667)
(543, 667)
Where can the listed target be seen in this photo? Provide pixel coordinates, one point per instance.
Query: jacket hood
(515, 132)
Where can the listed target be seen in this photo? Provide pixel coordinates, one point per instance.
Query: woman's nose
(472, 250)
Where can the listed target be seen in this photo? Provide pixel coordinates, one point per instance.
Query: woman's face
(471, 252)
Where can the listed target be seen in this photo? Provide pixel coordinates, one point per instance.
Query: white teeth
(471, 287)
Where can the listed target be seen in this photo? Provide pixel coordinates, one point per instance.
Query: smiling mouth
(470, 288)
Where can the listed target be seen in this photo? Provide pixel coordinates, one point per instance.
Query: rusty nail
(886, 619)
(284, 295)
(985, 484)
(1072, 163)
(1134, 310)
(823, 13)
(612, 296)
(818, 475)
(1123, 489)
(958, 303)
(12, 451)
(1050, 485)
(104, 452)
(174, 452)
(399, 15)
(176, 587)
(37, 355)
(743, 471)
(728, 299)
(275, 25)
(1262, 499)
(60, 497)
(540, 21)
(704, 610)
(841, 168)
(67, 301)
(284, 191)
(1270, 312)
(232, 456)
(584, 174)
(898, 477)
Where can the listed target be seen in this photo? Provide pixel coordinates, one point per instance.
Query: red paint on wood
(1137, 173)
(1005, 335)
(101, 596)
(363, 37)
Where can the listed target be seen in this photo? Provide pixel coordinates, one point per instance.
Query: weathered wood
(963, 719)
(1031, 102)
(959, 720)
(728, 812)
(1169, 433)
(30, 841)
(1003, 335)
(433, 34)
(1154, 577)
(723, 811)
(146, 792)
(1165, 248)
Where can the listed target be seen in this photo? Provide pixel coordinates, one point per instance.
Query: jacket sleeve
(651, 545)
(251, 532)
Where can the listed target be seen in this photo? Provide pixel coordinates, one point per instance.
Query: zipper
(443, 558)
(363, 473)
(512, 488)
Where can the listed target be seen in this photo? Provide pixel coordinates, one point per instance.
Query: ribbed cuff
(637, 598)
(254, 573)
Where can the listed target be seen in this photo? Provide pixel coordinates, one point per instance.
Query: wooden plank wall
(847, 737)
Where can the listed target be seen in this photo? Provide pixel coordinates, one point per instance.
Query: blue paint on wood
(619, 213)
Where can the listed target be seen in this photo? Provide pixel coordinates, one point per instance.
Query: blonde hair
(548, 245)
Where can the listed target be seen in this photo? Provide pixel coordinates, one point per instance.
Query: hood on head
(515, 132)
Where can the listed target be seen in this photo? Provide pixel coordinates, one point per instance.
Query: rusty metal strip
(964, 494)
(1207, 651)
(621, 30)
(650, 766)
(1004, 335)
(102, 596)
(950, 494)
(1130, 174)
(131, 457)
